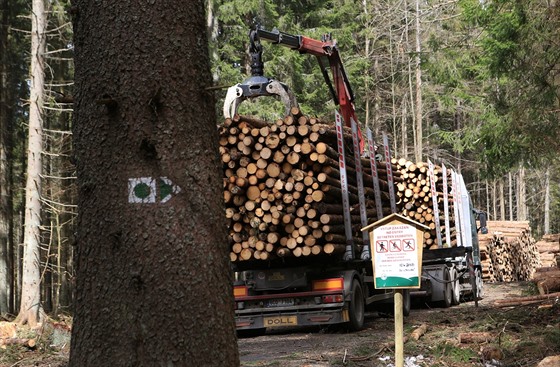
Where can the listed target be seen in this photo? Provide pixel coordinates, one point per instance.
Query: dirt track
(522, 336)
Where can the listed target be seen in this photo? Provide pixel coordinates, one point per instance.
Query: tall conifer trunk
(5, 189)
(153, 274)
(418, 144)
(30, 307)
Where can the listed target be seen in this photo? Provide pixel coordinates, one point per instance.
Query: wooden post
(399, 343)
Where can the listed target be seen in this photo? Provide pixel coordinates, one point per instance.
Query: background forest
(473, 84)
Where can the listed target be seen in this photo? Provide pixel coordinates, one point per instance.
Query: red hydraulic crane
(258, 85)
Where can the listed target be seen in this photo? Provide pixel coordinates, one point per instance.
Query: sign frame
(401, 269)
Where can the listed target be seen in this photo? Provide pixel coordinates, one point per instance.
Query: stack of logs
(547, 278)
(508, 252)
(282, 188)
(549, 250)
(415, 199)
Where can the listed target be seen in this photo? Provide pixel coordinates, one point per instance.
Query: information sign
(397, 244)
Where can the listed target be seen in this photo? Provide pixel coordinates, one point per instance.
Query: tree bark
(154, 285)
(30, 308)
(502, 200)
(494, 200)
(418, 89)
(510, 196)
(5, 187)
(521, 194)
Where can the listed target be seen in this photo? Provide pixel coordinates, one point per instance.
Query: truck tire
(479, 284)
(356, 307)
(447, 288)
(250, 333)
(406, 302)
(456, 287)
(389, 307)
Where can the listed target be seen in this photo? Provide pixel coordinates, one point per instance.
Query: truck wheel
(479, 284)
(251, 333)
(456, 287)
(356, 308)
(406, 302)
(447, 288)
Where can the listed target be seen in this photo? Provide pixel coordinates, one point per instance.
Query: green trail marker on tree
(149, 190)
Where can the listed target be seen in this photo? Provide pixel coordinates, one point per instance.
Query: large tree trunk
(153, 278)
(212, 34)
(521, 194)
(510, 196)
(30, 307)
(5, 189)
(6, 97)
(418, 89)
(494, 200)
(367, 92)
(502, 199)
(410, 94)
(393, 88)
(66, 227)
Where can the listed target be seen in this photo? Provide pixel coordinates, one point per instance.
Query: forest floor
(518, 336)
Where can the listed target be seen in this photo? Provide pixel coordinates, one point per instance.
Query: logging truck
(296, 201)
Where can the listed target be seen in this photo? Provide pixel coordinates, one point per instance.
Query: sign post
(399, 326)
(396, 244)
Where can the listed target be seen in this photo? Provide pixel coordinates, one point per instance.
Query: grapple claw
(234, 97)
(257, 86)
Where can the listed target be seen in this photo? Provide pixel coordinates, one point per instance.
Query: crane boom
(326, 48)
(258, 85)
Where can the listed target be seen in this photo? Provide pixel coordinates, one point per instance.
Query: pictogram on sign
(381, 246)
(409, 244)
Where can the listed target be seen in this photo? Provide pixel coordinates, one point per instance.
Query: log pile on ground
(547, 280)
(546, 300)
(484, 242)
(547, 277)
(508, 252)
(282, 188)
(9, 336)
(550, 361)
(549, 249)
